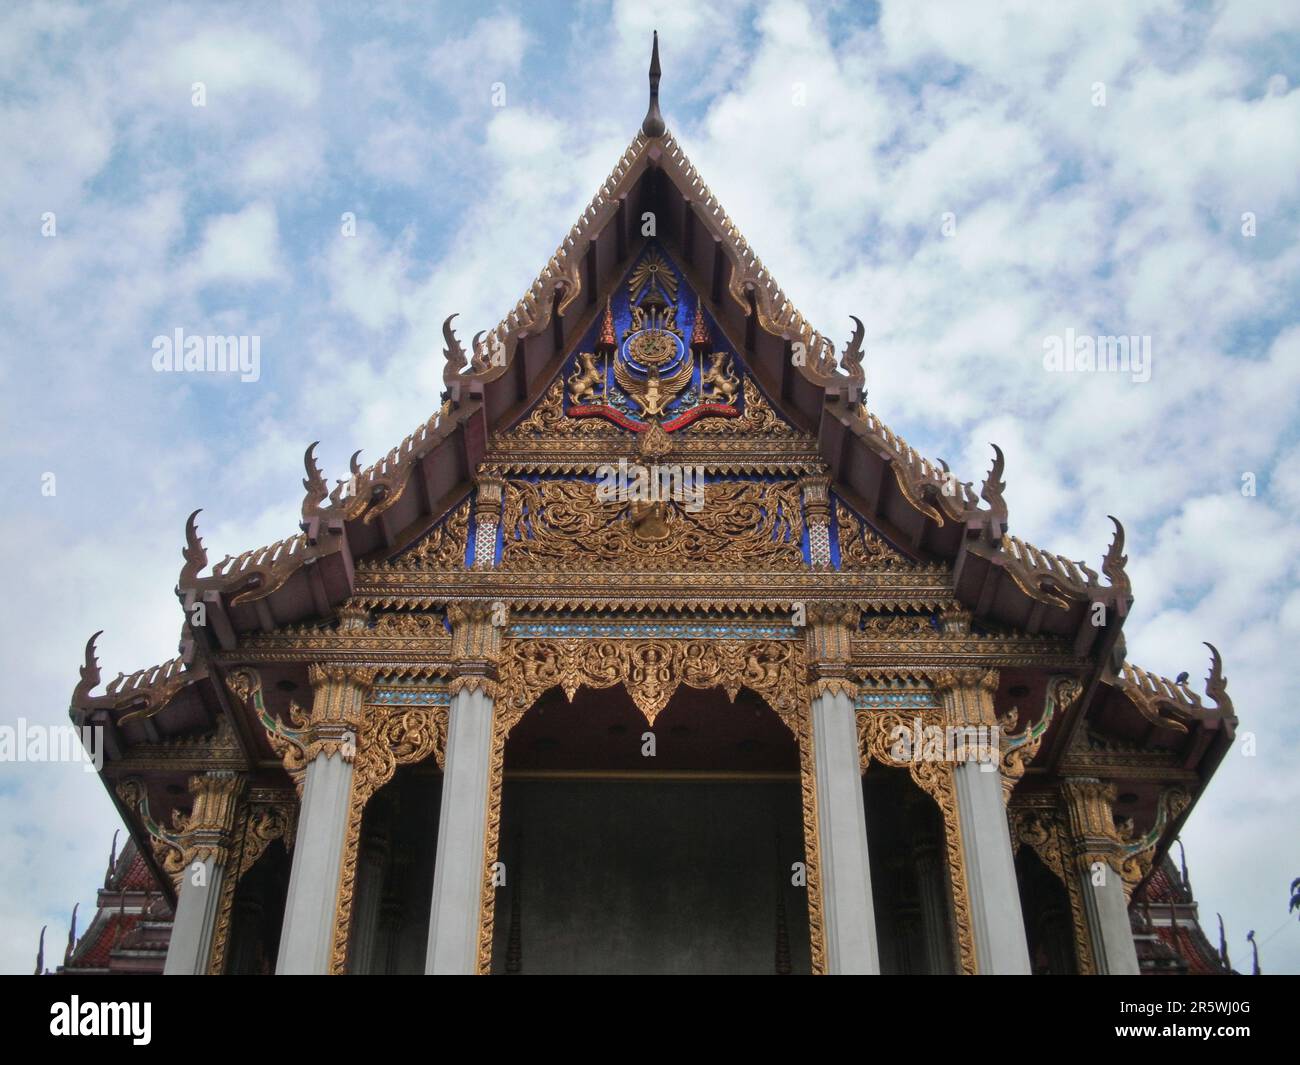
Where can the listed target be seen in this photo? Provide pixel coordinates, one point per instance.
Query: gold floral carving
(562, 524)
(548, 419)
(1135, 853)
(811, 837)
(860, 547)
(402, 736)
(650, 670)
(202, 835)
(876, 732)
(1019, 750)
(260, 823)
(758, 419)
(444, 548)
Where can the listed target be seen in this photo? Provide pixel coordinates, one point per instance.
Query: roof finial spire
(653, 123)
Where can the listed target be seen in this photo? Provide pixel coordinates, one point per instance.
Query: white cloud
(243, 246)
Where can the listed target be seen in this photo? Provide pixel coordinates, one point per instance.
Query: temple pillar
(927, 859)
(847, 908)
(997, 923)
(460, 866)
(307, 936)
(1096, 864)
(208, 835)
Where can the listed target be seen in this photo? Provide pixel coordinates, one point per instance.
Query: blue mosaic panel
(881, 699)
(410, 697)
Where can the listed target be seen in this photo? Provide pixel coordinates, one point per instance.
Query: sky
(971, 180)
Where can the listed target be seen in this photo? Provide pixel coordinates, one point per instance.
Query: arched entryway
(257, 913)
(910, 886)
(618, 860)
(395, 867)
(1049, 925)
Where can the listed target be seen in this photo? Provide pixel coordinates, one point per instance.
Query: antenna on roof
(653, 123)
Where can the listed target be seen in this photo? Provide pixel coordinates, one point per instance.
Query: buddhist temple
(653, 650)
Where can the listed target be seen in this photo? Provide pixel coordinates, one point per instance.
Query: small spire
(607, 343)
(72, 936)
(112, 861)
(653, 123)
(700, 339)
(40, 953)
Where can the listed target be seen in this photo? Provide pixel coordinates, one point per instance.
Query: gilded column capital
(204, 835)
(476, 629)
(1090, 806)
(816, 498)
(967, 695)
(487, 502)
(337, 710)
(209, 826)
(829, 641)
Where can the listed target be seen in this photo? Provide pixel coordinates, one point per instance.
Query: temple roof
(916, 503)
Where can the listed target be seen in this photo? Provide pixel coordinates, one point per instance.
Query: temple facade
(653, 650)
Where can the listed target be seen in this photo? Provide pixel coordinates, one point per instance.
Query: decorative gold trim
(651, 670)
(401, 736)
(938, 780)
(811, 838)
(771, 668)
(260, 822)
(1044, 830)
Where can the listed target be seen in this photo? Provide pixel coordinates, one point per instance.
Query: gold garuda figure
(654, 393)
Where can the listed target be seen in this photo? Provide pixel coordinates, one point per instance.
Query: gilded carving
(1044, 831)
(860, 547)
(650, 670)
(400, 736)
(261, 821)
(1019, 750)
(557, 524)
(876, 732)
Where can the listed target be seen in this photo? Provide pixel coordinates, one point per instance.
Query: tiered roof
(916, 503)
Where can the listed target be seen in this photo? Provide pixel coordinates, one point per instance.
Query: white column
(847, 913)
(190, 944)
(1106, 909)
(308, 933)
(307, 936)
(1095, 844)
(206, 841)
(998, 924)
(462, 824)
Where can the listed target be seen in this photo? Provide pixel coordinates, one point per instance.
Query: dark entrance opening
(680, 862)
